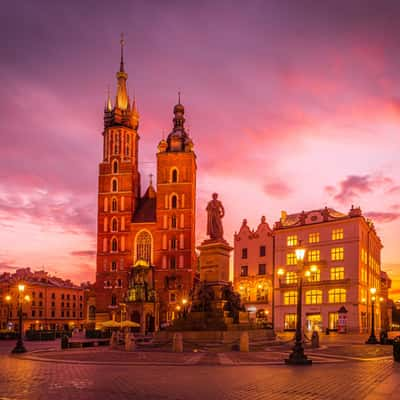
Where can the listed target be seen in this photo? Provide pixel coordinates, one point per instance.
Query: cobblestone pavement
(199, 376)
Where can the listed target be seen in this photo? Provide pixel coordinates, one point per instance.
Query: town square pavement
(343, 369)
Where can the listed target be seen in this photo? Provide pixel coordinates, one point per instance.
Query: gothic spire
(122, 95)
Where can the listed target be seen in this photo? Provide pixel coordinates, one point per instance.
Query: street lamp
(372, 338)
(297, 356)
(19, 347)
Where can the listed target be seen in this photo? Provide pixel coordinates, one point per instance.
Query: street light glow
(8, 298)
(372, 290)
(281, 271)
(21, 287)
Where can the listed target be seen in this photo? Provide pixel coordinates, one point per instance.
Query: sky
(292, 105)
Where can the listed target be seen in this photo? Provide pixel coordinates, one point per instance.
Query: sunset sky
(292, 105)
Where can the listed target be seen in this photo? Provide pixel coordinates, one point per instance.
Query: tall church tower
(175, 256)
(118, 196)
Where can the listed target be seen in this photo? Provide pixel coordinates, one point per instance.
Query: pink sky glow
(291, 105)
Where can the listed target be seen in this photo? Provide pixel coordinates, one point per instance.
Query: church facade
(154, 230)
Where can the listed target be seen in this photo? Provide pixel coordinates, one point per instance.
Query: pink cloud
(382, 217)
(277, 189)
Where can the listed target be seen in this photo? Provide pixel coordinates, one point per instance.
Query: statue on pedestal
(215, 213)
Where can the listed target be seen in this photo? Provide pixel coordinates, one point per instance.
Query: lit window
(314, 297)
(143, 246)
(244, 253)
(337, 253)
(337, 295)
(290, 321)
(337, 234)
(314, 255)
(315, 276)
(292, 240)
(337, 273)
(290, 297)
(244, 270)
(291, 277)
(313, 238)
(291, 259)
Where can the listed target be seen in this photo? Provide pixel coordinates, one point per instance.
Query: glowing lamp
(373, 298)
(27, 298)
(372, 290)
(300, 252)
(281, 271)
(380, 298)
(178, 307)
(364, 300)
(21, 287)
(313, 268)
(184, 301)
(259, 286)
(8, 298)
(307, 274)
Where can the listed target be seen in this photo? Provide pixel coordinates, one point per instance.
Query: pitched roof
(146, 211)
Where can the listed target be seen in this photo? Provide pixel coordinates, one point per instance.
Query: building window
(114, 205)
(53, 303)
(172, 297)
(244, 253)
(333, 320)
(337, 234)
(113, 265)
(62, 296)
(53, 314)
(337, 253)
(337, 296)
(244, 270)
(67, 314)
(173, 243)
(174, 176)
(173, 221)
(62, 314)
(115, 167)
(119, 283)
(127, 145)
(313, 238)
(143, 246)
(40, 313)
(113, 300)
(291, 259)
(314, 255)
(114, 225)
(114, 185)
(114, 245)
(261, 269)
(291, 277)
(33, 313)
(174, 201)
(68, 297)
(53, 295)
(172, 263)
(315, 276)
(290, 321)
(291, 240)
(290, 297)
(337, 273)
(262, 251)
(314, 296)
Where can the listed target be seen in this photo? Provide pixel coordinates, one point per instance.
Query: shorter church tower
(175, 256)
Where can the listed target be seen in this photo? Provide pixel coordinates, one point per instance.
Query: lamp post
(19, 347)
(372, 338)
(8, 300)
(297, 356)
(184, 304)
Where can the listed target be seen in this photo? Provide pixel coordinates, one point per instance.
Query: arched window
(143, 246)
(114, 185)
(106, 204)
(174, 201)
(114, 245)
(113, 265)
(173, 243)
(173, 221)
(174, 175)
(113, 300)
(114, 225)
(128, 145)
(114, 205)
(115, 167)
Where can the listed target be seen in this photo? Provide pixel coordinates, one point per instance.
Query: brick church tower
(157, 229)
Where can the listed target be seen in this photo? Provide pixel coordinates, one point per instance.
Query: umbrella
(111, 324)
(129, 324)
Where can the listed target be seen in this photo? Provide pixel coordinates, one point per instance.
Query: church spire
(179, 119)
(122, 95)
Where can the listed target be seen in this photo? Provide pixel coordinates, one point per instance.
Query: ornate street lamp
(297, 356)
(372, 338)
(19, 347)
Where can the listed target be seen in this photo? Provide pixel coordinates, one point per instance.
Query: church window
(174, 201)
(173, 243)
(174, 175)
(106, 204)
(114, 185)
(172, 263)
(114, 245)
(173, 221)
(113, 266)
(143, 246)
(128, 145)
(113, 300)
(114, 205)
(114, 225)
(115, 167)
(116, 143)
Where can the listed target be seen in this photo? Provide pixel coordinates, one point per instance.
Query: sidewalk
(389, 389)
